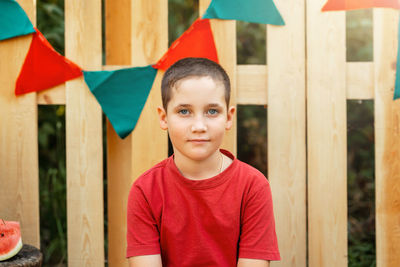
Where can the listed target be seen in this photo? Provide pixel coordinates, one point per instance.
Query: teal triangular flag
(13, 20)
(397, 84)
(122, 94)
(255, 11)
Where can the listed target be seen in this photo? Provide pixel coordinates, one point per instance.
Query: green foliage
(51, 140)
(361, 187)
(52, 184)
(361, 253)
(50, 21)
(252, 136)
(251, 40)
(359, 35)
(181, 14)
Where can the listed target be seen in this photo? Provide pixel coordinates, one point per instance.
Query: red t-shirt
(208, 222)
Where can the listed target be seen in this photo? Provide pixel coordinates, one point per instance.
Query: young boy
(201, 206)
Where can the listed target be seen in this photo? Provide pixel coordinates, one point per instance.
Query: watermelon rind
(12, 252)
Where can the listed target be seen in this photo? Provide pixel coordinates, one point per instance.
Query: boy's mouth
(199, 140)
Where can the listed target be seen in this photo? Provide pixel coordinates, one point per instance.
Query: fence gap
(52, 184)
(181, 14)
(251, 43)
(104, 129)
(359, 45)
(360, 183)
(252, 136)
(50, 21)
(52, 149)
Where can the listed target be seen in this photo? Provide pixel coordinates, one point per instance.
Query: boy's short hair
(193, 67)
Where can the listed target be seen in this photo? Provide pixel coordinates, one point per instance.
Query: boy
(201, 206)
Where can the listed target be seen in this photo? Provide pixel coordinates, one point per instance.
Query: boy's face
(196, 117)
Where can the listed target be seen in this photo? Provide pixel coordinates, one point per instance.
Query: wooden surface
(224, 32)
(19, 169)
(52, 96)
(119, 151)
(118, 31)
(150, 41)
(252, 84)
(28, 256)
(287, 131)
(360, 80)
(387, 140)
(326, 139)
(84, 138)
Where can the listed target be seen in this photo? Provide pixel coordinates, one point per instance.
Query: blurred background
(252, 132)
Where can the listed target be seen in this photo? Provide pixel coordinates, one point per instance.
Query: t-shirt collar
(204, 183)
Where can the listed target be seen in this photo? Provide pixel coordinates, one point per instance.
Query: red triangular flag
(197, 41)
(334, 5)
(44, 67)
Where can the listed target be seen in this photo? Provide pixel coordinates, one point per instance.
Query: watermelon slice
(10, 239)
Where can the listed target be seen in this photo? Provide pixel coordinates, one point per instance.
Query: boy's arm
(257, 237)
(143, 239)
(252, 263)
(145, 261)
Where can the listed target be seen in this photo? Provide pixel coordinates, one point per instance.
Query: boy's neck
(204, 169)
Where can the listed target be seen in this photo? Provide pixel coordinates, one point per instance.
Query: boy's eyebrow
(189, 105)
(183, 105)
(214, 105)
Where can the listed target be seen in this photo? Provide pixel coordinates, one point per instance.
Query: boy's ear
(162, 116)
(230, 115)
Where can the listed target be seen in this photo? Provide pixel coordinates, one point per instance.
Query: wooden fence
(305, 87)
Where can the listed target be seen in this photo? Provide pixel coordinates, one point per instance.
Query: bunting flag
(13, 20)
(122, 94)
(335, 5)
(197, 41)
(44, 67)
(255, 11)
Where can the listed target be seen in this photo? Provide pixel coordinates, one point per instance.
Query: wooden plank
(19, 169)
(118, 31)
(149, 43)
(224, 32)
(387, 141)
(119, 173)
(251, 81)
(360, 80)
(252, 84)
(130, 157)
(119, 151)
(287, 131)
(52, 96)
(84, 138)
(326, 136)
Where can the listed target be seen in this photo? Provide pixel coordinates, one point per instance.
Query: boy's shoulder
(152, 173)
(251, 174)
(244, 173)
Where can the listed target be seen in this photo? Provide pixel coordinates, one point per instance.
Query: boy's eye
(212, 111)
(183, 111)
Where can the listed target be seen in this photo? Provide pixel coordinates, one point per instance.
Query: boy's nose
(199, 125)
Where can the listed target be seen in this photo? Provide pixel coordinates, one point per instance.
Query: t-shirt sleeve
(143, 237)
(258, 237)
